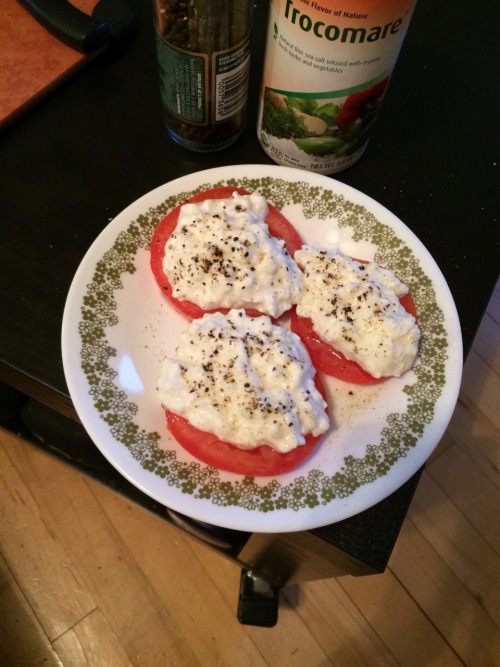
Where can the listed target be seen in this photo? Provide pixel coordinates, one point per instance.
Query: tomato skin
(277, 223)
(327, 359)
(263, 461)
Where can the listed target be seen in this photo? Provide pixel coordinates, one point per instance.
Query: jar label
(183, 82)
(326, 71)
(186, 80)
(231, 70)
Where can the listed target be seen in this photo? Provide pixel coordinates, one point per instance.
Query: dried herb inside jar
(204, 58)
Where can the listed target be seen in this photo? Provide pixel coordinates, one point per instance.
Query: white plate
(117, 327)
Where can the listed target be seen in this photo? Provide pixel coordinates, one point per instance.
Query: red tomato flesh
(278, 225)
(329, 360)
(262, 461)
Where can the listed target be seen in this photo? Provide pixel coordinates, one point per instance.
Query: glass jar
(203, 49)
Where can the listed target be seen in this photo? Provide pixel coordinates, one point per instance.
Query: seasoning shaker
(203, 49)
(326, 70)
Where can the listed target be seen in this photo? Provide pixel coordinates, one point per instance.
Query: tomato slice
(278, 226)
(331, 361)
(262, 461)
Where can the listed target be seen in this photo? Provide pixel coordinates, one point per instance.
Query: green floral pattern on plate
(401, 431)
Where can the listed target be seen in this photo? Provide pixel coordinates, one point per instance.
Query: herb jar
(203, 49)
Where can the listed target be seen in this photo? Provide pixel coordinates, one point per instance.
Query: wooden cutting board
(32, 61)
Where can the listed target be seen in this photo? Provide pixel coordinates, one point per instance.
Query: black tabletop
(97, 143)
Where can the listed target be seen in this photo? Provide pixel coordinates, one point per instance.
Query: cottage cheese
(221, 255)
(246, 380)
(355, 308)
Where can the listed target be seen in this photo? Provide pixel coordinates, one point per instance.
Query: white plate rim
(267, 517)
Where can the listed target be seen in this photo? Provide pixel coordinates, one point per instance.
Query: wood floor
(88, 579)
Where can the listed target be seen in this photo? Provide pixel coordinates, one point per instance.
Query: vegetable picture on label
(323, 127)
